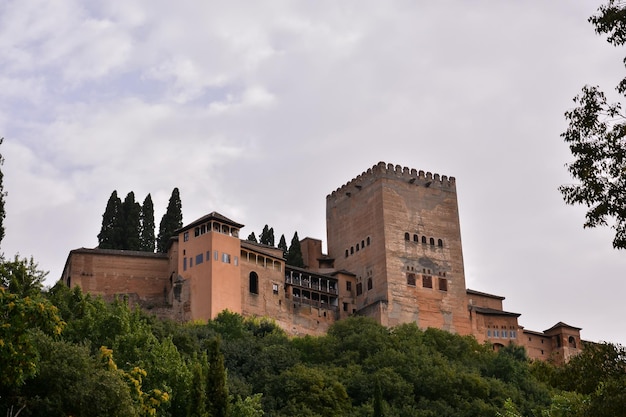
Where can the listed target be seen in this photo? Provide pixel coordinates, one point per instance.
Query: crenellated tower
(398, 230)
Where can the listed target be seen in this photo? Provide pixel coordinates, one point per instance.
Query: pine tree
(110, 233)
(252, 238)
(217, 389)
(131, 225)
(270, 236)
(282, 244)
(147, 238)
(294, 253)
(2, 195)
(171, 221)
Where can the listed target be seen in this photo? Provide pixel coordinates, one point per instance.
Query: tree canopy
(171, 221)
(596, 135)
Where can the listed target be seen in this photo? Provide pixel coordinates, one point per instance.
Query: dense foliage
(67, 353)
(596, 135)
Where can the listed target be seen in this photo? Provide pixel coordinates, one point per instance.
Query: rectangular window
(513, 334)
(185, 236)
(208, 255)
(443, 284)
(236, 260)
(410, 279)
(359, 288)
(348, 285)
(427, 281)
(199, 259)
(488, 333)
(345, 306)
(496, 333)
(505, 334)
(216, 255)
(225, 258)
(275, 288)
(184, 264)
(190, 262)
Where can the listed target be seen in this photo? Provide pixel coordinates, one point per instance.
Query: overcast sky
(258, 110)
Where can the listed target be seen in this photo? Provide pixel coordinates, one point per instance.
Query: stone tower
(398, 230)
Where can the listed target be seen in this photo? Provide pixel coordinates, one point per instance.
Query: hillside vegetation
(64, 353)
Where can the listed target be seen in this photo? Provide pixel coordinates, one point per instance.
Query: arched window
(254, 283)
(351, 250)
(416, 238)
(407, 236)
(440, 243)
(423, 239)
(368, 241)
(432, 240)
(572, 342)
(362, 244)
(347, 253)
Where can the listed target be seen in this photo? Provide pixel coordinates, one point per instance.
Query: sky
(259, 110)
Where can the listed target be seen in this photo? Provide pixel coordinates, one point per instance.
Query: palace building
(394, 254)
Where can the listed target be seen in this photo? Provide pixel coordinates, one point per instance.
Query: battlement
(384, 170)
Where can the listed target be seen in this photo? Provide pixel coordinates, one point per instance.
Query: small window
(423, 239)
(505, 334)
(369, 284)
(236, 260)
(410, 279)
(345, 306)
(359, 288)
(351, 250)
(362, 244)
(348, 285)
(190, 262)
(275, 288)
(347, 253)
(571, 341)
(443, 284)
(440, 243)
(416, 238)
(185, 236)
(432, 241)
(496, 333)
(427, 281)
(196, 232)
(357, 247)
(253, 285)
(226, 258)
(489, 333)
(199, 259)
(208, 255)
(513, 334)
(407, 236)
(216, 255)
(184, 264)
(367, 241)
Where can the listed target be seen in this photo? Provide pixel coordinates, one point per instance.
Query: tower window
(369, 284)
(407, 236)
(432, 240)
(416, 238)
(368, 241)
(423, 239)
(359, 288)
(440, 243)
(427, 281)
(410, 279)
(443, 284)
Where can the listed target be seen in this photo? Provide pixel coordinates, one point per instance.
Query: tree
(147, 238)
(131, 223)
(267, 236)
(110, 236)
(282, 244)
(252, 238)
(22, 276)
(596, 136)
(217, 390)
(2, 195)
(294, 253)
(171, 221)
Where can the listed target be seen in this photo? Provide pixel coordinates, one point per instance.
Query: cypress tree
(171, 221)
(2, 195)
(252, 238)
(131, 225)
(110, 233)
(265, 238)
(282, 244)
(270, 236)
(217, 390)
(147, 238)
(294, 253)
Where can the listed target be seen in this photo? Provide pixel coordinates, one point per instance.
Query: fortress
(394, 254)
